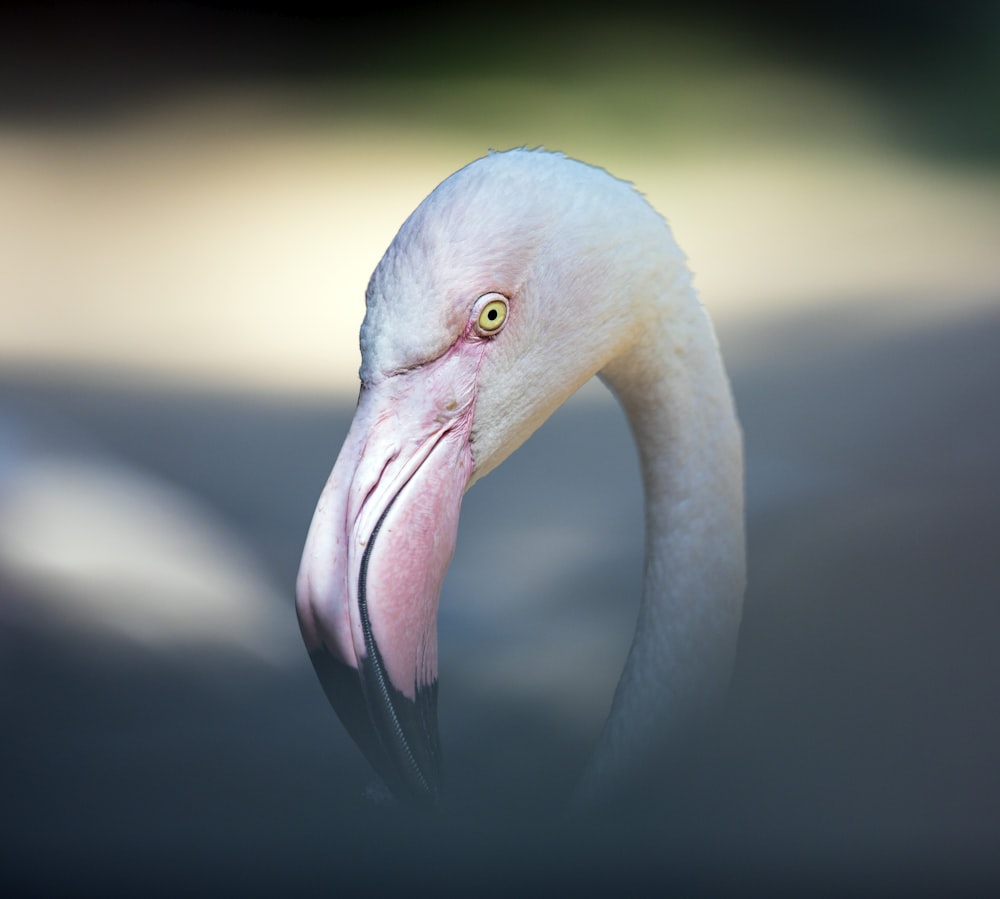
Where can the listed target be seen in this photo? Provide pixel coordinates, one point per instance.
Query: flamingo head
(492, 305)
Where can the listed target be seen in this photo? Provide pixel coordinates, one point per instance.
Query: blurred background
(192, 198)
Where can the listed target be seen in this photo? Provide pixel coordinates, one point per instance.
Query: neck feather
(673, 387)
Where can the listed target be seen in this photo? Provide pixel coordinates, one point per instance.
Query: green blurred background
(192, 197)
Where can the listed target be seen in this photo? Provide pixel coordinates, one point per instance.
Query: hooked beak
(380, 542)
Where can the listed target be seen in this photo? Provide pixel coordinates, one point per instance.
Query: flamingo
(517, 279)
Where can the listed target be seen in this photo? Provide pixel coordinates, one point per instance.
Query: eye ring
(492, 314)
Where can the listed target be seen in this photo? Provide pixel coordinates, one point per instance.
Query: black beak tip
(398, 735)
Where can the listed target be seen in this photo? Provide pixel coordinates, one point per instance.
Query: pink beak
(380, 543)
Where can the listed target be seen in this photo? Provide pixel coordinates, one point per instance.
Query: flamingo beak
(378, 548)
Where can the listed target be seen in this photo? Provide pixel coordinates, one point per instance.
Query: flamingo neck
(673, 387)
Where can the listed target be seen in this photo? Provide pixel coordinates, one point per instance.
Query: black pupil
(492, 315)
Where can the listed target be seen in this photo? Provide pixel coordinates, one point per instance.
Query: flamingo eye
(492, 316)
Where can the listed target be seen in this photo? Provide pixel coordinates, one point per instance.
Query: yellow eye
(492, 316)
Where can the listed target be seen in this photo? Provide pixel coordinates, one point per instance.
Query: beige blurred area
(227, 242)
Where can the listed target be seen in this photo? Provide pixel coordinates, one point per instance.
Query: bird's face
(479, 323)
(381, 539)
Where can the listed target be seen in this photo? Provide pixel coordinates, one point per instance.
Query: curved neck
(673, 387)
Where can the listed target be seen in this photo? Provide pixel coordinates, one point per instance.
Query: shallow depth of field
(192, 198)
